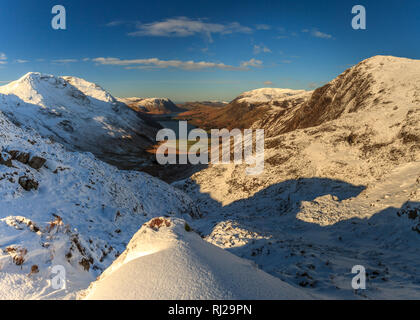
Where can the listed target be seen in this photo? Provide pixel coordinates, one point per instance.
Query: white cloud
(117, 23)
(155, 63)
(3, 58)
(21, 61)
(261, 48)
(268, 83)
(319, 34)
(65, 60)
(185, 27)
(262, 27)
(251, 63)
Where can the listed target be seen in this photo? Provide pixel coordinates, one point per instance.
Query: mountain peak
(151, 105)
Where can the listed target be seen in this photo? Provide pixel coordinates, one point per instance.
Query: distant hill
(197, 104)
(247, 108)
(151, 105)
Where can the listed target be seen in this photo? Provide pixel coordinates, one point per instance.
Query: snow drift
(166, 260)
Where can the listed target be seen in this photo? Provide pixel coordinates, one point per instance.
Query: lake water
(168, 121)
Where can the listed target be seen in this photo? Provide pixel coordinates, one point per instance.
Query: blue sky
(198, 50)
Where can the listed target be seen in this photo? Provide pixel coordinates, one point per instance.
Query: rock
(5, 160)
(36, 162)
(22, 157)
(28, 184)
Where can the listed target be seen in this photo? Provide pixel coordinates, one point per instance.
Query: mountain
(151, 105)
(78, 114)
(247, 108)
(375, 85)
(340, 186)
(69, 209)
(167, 260)
(198, 104)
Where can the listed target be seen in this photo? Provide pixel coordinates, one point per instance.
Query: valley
(340, 188)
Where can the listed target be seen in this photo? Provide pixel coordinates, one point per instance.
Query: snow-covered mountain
(385, 87)
(151, 105)
(268, 96)
(167, 260)
(341, 176)
(78, 114)
(253, 105)
(340, 187)
(68, 209)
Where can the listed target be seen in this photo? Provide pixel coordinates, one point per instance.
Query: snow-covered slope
(254, 105)
(268, 96)
(72, 210)
(383, 87)
(341, 176)
(151, 105)
(77, 113)
(166, 260)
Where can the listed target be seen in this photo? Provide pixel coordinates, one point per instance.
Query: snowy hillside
(151, 105)
(383, 87)
(69, 209)
(78, 114)
(254, 105)
(167, 260)
(340, 187)
(269, 96)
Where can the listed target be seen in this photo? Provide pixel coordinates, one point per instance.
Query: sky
(201, 50)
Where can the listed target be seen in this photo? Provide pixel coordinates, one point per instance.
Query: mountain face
(199, 104)
(247, 108)
(69, 209)
(384, 85)
(151, 105)
(166, 260)
(341, 176)
(78, 114)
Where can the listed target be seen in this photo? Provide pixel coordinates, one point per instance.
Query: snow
(340, 191)
(151, 105)
(331, 195)
(78, 114)
(81, 217)
(167, 262)
(267, 95)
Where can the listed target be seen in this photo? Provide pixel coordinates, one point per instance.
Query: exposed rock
(5, 160)
(22, 157)
(36, 162)
(28, 184)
